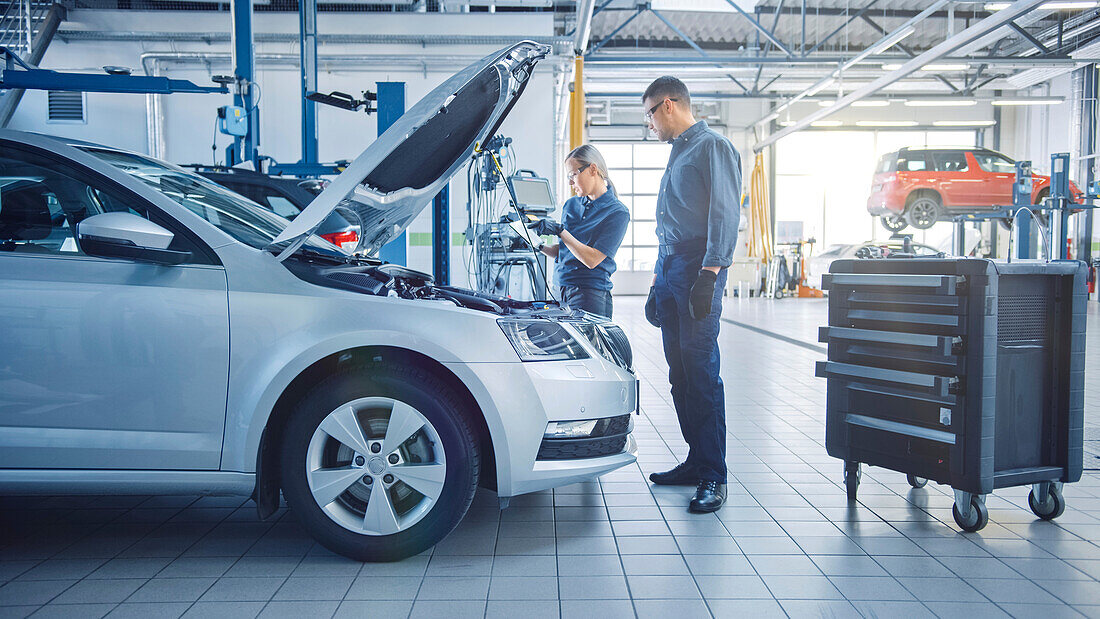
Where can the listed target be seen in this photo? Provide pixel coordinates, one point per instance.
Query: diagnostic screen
(533, 193)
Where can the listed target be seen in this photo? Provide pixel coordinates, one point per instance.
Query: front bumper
(519, 400)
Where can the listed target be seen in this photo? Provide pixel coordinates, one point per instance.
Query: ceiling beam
(764, 31)
(889, 39)
(584, 26)
(646, 60)
(980, 29)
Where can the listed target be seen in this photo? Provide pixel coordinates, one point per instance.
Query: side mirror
(125, 235)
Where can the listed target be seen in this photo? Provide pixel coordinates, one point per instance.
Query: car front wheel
(379, 462)
(923, 212)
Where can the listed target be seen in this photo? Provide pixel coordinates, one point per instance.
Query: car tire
(894, 223)
(923, 212)
(381, 432)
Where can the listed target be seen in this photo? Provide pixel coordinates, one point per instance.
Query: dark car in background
(286, 197)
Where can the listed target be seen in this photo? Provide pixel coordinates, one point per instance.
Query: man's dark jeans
(587, 299)
(691, 348)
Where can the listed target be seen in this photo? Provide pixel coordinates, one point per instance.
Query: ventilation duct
(65, 106)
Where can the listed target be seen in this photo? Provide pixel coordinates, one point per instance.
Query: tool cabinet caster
(1053, 505)
(852, 474)
(916, 482)
(970, 512)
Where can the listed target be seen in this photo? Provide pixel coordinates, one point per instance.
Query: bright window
(636, 171)
(823, 179)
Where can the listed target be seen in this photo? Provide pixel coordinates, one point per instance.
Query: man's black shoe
(709, 497)
(682, 475)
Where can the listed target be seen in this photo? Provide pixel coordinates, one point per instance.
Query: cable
(214, 143)
(259, 95)
(527, 233)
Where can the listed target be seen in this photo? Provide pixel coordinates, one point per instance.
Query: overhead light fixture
(826, 103)
(964, 123)
(1066, 5)
(945, 67)
(1030, 101)
(891, 66)
(826, 123)
(940, 102)
(886, 123)
(891, 40)
(871, 103)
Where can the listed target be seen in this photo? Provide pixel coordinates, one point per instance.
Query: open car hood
(399, 173)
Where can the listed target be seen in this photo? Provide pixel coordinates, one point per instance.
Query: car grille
(610, 439)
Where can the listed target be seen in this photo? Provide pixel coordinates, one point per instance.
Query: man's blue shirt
(700, 195)
(599, 224)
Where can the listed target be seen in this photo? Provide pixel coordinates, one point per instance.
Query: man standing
(698, 208)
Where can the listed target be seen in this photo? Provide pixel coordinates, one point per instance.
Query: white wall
(1037, 132)
(121, 120)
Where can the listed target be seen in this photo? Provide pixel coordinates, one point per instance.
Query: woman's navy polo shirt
(599, 224)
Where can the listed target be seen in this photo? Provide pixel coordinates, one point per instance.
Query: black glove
(702, 294)
(546, 227)
(651, 308)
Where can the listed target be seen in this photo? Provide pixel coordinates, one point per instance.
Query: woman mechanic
(593, 224)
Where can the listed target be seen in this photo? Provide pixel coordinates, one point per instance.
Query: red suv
(920, 186)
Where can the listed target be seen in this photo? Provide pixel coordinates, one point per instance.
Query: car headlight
(542, 340)
(609, 340)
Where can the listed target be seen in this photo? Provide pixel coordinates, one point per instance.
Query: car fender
(256, 400)
(932, 187)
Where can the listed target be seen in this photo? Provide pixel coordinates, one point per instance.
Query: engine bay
(391, 280)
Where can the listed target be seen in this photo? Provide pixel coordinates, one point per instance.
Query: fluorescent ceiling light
(940, 102)
(1029, 101)
(945, 67)
(819, 123)
(1066, 5)
(886, 123)
(891, 66)
(964, 123)
(863, 103)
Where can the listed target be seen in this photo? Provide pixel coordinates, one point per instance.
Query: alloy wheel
(376, 466)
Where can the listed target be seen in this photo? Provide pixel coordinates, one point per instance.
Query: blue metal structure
(244, 148)
(1061, 199)
(307, 25)
(391, 105)
(18, 74)
(1021, 198)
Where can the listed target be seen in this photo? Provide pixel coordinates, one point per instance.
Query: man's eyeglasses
(649, 114)
(574, 173)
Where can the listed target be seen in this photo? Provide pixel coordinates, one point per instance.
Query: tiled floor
(787, 542)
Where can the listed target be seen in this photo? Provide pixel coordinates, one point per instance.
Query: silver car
(161, 334)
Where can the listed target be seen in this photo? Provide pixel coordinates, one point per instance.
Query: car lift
(17, 74)
(1059, 203)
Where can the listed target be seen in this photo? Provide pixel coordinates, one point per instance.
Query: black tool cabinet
(964, 371)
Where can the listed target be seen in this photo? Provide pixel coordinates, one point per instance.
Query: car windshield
(231, 213)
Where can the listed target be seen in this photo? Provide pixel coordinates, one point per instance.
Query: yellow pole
(576, 105)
